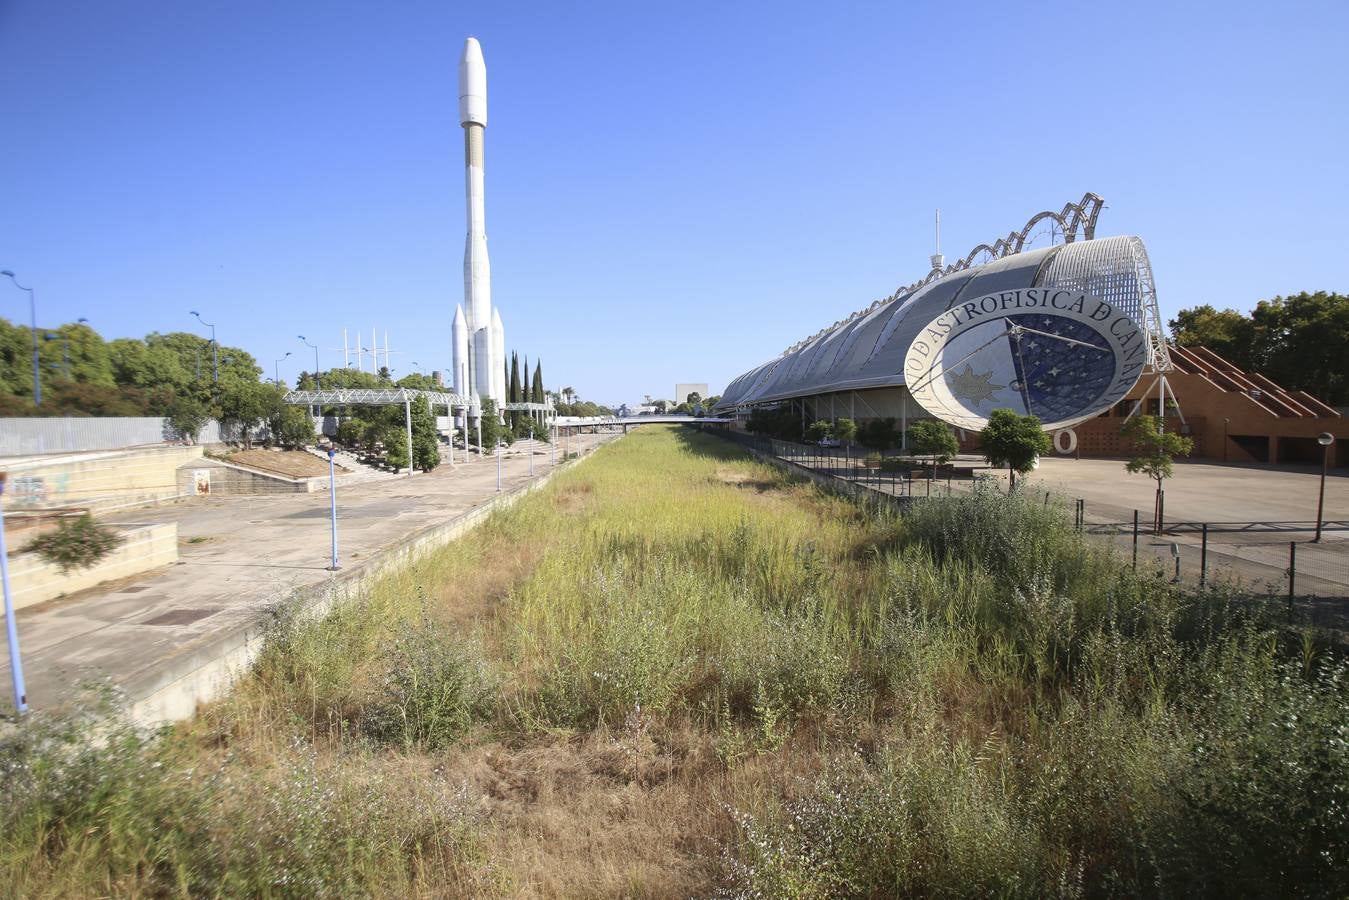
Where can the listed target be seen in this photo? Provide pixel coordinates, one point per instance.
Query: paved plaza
(240, 556)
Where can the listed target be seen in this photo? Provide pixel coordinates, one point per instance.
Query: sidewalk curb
(174, 688)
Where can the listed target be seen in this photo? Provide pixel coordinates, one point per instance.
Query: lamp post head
(6, 272)
(332, 451)
(81, 321)
(1325, 439)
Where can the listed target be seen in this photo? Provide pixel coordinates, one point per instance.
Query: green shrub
(76, 543)
(432, 690)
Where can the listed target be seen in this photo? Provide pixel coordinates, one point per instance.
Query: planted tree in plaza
(934, 438)
(395, 441)
(425, 444)
(1157, 450)
(1013, 441)
(846, 431)
(491, 427)
(819, 430)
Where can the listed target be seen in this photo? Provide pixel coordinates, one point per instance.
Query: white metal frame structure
(395, 395)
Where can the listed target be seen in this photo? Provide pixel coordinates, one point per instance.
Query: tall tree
(1303, 341)
(1300, 341)
(1228, 333)
(536, 395)
(514, 393)
(425, 443)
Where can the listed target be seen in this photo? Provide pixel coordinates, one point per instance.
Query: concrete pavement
(240, 556)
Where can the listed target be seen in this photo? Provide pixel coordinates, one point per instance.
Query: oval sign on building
(1061, 355)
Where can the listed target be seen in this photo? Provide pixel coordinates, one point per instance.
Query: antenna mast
(937, 259)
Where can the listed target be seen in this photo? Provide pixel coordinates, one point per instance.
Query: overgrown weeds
(675, 671)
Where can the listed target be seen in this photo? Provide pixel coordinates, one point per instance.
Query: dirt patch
(290, 463)
(573, 498)
(611, 814)
(746, 480)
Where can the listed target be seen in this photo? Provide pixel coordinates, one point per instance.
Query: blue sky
(675, 192)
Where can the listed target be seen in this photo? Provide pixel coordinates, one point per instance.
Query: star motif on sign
(1054, 372)
(973, 387)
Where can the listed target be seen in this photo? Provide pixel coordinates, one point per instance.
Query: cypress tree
(514, 394)
(538, 382)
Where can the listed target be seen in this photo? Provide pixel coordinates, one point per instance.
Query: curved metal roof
(867, 349)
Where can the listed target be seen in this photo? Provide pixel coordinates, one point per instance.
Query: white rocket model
(460, 337)
(478, 356)
(498, 332)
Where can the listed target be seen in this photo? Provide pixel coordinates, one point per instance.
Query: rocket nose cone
(472, 85)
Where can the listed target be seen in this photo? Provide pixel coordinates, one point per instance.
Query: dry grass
(675, 672)
(290, 463)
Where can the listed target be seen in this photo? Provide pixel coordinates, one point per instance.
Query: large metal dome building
(855, 367)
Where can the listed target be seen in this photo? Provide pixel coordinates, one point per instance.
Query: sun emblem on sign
(975, 388)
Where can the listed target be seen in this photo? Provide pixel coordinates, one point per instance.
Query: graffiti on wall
(35, 490)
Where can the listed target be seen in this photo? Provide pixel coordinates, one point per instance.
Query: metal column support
(904, 420)
(407, 413)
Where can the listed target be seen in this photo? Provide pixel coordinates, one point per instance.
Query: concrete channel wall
(219, 478)
(173, 692)
(145, 547)
(97, 480)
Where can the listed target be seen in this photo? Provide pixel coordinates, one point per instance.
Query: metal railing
(1312, 578)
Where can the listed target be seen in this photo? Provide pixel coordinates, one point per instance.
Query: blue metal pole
(11, 627)
(332, 496)
(498, 464)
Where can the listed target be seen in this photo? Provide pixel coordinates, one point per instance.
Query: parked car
(830, 442)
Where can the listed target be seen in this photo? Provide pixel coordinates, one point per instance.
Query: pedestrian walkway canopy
(374, 397)
(396, 395)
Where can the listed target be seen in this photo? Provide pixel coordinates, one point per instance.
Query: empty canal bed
(676, 672)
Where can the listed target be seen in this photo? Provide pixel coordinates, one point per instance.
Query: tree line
(1301, 342)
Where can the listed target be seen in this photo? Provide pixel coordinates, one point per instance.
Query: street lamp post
(332, 497)
(1325, 439)
(32, 312)
(276, 368)
(11, 628)
(318, 384)
(498, 464)
(215, 365)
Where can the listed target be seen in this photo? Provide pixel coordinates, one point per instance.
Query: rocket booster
(477, 268)
(459, 335)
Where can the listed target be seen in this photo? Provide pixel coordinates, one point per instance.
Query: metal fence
(1259, 557)
(74, 434)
